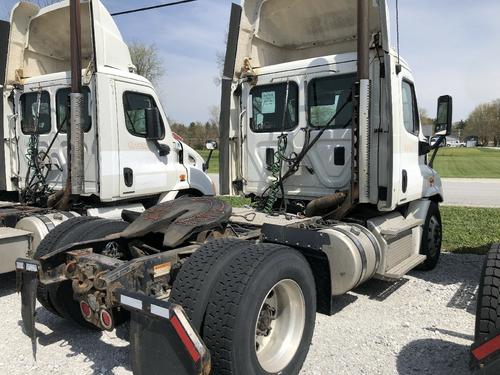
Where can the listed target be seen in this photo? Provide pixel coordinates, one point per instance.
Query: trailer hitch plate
(179, 219)
(161, 338)
(26, 284)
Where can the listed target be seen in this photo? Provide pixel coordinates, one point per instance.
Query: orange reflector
(182, 177)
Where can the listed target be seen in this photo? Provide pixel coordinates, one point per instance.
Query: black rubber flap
(27, 282)
(180, 219)
(156, 348)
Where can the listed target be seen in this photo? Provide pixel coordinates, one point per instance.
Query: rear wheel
(196, 280)
(261, 315)
(51, 243)
(432, 237)
(488, 299)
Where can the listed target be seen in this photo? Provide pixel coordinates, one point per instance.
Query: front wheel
(261, 316)
(432, 237)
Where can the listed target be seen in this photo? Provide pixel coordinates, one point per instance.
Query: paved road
(457, 191)
(471, 192)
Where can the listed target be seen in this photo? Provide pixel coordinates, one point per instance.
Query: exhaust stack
(361, 138)
(75, 133)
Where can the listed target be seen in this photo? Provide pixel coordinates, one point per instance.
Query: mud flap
(26, 284)
(486, 356)
(161, 338)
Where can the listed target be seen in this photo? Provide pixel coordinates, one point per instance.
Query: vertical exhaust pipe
(361, 139)
(75, 135)
(363, 39)
(74, 179)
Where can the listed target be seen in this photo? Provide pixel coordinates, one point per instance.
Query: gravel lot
(421, 325)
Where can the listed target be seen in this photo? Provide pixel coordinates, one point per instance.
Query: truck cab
(295, 78)
(122, 160)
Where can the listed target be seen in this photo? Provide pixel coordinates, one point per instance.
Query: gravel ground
(423, 324)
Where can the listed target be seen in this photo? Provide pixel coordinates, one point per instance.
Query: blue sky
(453, 47)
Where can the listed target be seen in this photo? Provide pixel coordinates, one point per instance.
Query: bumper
(161, 337)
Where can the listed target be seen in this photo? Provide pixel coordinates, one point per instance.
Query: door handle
(128, 177)
(405, 181)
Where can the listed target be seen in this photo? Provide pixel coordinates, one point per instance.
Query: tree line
(483, 124)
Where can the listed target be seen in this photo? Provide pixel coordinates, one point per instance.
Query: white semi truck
(320, 128)
(131, 158)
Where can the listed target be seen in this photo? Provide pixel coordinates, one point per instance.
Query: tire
(488, 299)
(61, 295)
(197, 277)
(432, 237)
(49, 244)
(246, 291)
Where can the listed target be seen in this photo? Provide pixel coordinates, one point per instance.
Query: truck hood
(39, 41)
(278, 31)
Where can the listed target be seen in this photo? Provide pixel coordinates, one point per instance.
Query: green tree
(484, 122)
(147, 61)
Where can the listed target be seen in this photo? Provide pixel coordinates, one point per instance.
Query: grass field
(468, 163)
(465, 230)
(450, 162)
(470, 230)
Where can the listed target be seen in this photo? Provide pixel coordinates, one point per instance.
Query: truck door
(410, 183)
(144, 170)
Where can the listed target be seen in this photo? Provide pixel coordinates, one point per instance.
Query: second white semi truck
(130, 158)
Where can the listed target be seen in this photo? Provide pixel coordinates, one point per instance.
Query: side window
(327, 95)
(62, 101)
(410, 109)
(135, 105)
(35, 113)
(269, 110)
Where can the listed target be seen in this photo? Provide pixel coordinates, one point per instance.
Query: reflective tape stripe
(188, 344)
(31, 267)
(131, 302)
(486, 349)
(160, 311)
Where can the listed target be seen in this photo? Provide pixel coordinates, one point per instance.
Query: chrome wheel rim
(433, 236)
(280, 326)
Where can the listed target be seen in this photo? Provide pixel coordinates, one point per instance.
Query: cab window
(35, 113)
(326, 96)
(270, 112)
(62, 113)
(410, 109)
(135, 105)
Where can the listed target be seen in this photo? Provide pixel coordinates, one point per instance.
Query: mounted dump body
(131, 159)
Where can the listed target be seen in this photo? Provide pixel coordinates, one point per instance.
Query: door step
(405, 266)
(399, 225)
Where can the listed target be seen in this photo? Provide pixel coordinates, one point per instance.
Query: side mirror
(211, 145)
(154, 129)
(444, 116)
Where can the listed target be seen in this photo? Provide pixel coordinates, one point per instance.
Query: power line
(152, 7)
